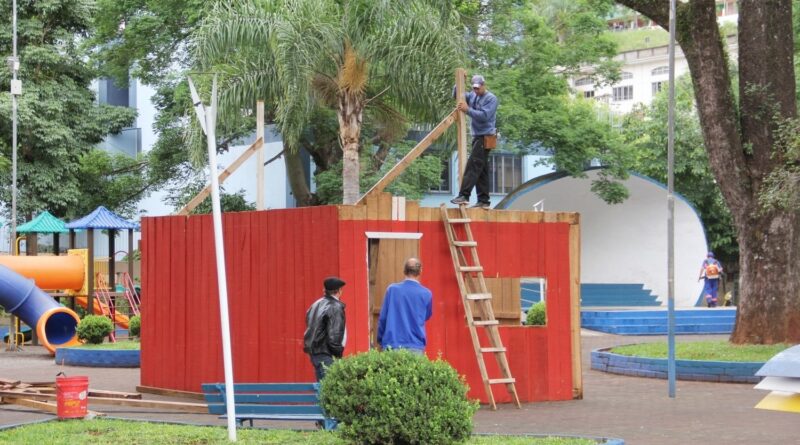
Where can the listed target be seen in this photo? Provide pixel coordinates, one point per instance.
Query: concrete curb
(98, 358)
(697, 370)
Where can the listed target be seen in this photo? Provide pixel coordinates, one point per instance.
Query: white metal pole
(219, 246)
(671, 207)
(14, 67)
(260, 192)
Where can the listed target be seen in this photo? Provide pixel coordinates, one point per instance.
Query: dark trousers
(320, 362)
(476, 174)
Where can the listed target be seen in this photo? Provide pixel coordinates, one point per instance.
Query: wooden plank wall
(277, 259)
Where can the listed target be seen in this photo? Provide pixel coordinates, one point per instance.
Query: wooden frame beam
(408, 158)
(200, 197)
(461, 122)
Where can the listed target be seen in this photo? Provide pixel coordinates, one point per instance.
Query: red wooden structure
(277, 260)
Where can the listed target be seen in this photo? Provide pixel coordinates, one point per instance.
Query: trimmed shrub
(537, 315)
(94, 328)
(135, 325)
(397, 397)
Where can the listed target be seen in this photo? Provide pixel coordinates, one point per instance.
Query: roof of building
(102, 218)
(43, 223)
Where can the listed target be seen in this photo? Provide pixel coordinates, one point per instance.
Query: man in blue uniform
(407, 305)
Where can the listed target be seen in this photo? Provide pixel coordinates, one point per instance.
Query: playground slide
(120, 320)
(55, 324)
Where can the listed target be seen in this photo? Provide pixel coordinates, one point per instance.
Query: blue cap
(710, 254)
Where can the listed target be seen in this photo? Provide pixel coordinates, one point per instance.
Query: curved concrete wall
(626, 243)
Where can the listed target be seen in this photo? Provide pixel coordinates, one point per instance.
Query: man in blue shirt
(481, 106)
(407, 305)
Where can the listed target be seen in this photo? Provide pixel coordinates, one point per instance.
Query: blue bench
(268, 401)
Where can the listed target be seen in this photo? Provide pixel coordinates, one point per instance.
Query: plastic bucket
(72, 396)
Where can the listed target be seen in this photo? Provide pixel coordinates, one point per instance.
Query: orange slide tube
(48, 272)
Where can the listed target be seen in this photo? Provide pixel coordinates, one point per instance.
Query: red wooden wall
(276, 261)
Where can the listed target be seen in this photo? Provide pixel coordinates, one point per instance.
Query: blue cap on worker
(333, 283)
(477, 81)
(710, 254)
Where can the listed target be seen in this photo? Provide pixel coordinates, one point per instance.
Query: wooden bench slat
(264, 398)
(263, 387)
(266, 409)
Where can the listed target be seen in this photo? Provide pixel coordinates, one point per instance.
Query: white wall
(627, 243)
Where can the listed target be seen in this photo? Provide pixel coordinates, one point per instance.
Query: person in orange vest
(711, 270)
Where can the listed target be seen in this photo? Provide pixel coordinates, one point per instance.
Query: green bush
(94, 328)
(397, 397)
(135, 325)
(537, 315)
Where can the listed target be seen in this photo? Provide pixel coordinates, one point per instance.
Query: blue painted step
(654, 322)
(597, 294)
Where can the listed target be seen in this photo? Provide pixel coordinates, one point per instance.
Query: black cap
(333, 283)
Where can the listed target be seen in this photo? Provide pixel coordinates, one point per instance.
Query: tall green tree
(389, 59)
(59, 121)
(527, 49)
(645, 130)
(743, 141)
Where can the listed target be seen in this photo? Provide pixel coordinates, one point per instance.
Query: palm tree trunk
(350, 117)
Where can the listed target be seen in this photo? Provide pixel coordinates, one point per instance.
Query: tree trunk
(350, 115)
(297, 178)
(740, 149)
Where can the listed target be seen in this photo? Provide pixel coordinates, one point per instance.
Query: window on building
(626, 75)
(584, 81)
(588, 94)
(657, 86)
(505, 172)
(623, 93)
(660, 70)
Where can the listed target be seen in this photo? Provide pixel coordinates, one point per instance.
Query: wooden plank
(461, 124)
(575, 308)
(200, 197)
(410, 156)
(385, 206)
(260, 155)
(198, 408)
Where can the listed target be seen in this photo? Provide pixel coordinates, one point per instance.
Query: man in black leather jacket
(325, 335)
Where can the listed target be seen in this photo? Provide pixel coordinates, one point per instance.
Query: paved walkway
(635, 409)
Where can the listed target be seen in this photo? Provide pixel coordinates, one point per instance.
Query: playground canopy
(44, 222)
(102, 218)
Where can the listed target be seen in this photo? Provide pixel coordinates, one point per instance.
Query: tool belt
(490, 141)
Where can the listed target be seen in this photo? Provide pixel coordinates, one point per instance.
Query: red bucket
(72, 396)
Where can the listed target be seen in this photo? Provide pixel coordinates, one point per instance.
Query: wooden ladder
(472, 285)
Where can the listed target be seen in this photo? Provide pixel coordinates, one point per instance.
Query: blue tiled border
(98, 358)
(698, 370)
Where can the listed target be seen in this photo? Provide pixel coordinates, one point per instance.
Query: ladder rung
(459, 221)
(493, 349)
(499, 381)
(474, 297)
(471, 269)
(485, 322)
(465, 243)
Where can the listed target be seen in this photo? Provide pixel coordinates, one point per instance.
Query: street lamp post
(16, 89)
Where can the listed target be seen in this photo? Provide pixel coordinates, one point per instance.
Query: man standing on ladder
(481, 106)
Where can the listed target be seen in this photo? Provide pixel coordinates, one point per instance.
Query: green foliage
(94, 328)
(715, 350)
(59, 121)
(397, 397)
(534, 46)
(135, 325)
(537, 315)
(646, 131)
(229, 202)
(423, 174)
(101, 431)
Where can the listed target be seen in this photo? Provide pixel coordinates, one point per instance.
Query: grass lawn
(125, 345)
(630, 40)
(716, 350)
(115, 432)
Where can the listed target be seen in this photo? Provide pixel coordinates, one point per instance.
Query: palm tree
(391, 59)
